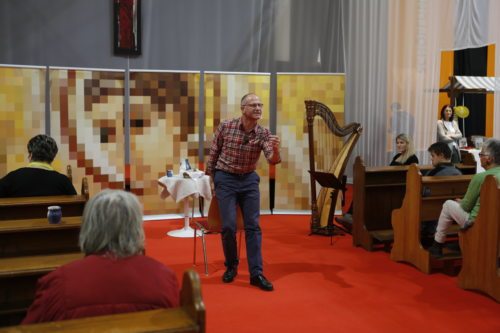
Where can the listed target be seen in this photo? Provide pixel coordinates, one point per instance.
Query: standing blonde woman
(406, 152)
(448, 131)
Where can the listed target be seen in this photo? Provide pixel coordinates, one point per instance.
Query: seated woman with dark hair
(38, 178)
(115, 276)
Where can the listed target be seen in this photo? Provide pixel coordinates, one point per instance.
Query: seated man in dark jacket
(38, 178)
(441, 160)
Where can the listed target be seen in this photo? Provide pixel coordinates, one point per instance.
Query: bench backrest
(480, 244)
(430, 192)
(423, 201)
(37, 237)
(36, 207)
(377, 192)
(189, 317)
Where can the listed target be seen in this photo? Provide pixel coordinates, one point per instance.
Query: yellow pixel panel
(22, 113)
(293, 190)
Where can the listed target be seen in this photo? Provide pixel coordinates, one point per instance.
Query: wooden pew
(37, 237)
(480, 245)
(18, 277)
(36, 207)
(418, 208)
(377, 191)
(31, 247)
(189, 317)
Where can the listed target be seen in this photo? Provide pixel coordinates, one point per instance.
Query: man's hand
(275, 141)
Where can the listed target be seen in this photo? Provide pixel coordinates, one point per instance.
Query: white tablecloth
(179, 187)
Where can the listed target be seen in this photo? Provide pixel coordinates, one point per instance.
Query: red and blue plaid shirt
(235, 151)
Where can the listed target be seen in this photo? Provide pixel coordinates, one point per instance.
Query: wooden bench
(377, 191)
(189, 317)
(480, 245)
(36, 207)
(37, 236)
(18, 277)
(419, 208)
(31, 247)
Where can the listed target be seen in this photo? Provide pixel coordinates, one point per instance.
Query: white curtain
(393, 56)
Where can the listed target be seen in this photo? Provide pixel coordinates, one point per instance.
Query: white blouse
(449, 126)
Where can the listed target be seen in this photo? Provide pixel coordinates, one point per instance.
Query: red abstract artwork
(127, 27)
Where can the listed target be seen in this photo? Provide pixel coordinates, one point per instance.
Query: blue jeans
(243, 190)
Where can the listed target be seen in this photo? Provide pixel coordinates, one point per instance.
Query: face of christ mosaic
(87, 120)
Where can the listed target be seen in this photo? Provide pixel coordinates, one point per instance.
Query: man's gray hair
(243, 101)
(492, 147)
(112, 222)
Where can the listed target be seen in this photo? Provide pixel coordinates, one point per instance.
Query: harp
(329, 152)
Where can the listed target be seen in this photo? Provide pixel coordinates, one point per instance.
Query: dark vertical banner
(472, 62)
(272, 186)
(127, 27)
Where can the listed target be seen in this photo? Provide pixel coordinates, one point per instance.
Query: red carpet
(323, 288)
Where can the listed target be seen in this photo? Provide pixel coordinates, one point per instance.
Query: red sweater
(99, 285)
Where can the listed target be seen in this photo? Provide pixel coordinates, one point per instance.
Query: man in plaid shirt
(233, 159)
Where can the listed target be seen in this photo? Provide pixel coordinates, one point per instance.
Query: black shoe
(229, 274)
(454, 247)
(261, 282)
(436, 249)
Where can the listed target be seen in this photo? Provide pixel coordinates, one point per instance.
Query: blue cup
(170, 173)
(54, 214)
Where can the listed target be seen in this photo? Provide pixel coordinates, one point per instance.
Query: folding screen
(22, 113)
(223, 92)
(164, 128)
(292, 178)
(87, 122)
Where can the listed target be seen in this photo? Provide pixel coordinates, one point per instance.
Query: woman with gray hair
(38, 178)
(115, 276)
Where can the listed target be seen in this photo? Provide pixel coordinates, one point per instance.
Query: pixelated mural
(22, 113)
(223, 92)
(164, 128)
(87, 122)
(292, 178)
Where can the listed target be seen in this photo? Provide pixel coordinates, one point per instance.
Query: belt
(236, 174)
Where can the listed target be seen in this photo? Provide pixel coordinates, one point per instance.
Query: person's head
(251, 107)
(490, 154)
(447, 113)
(404, 146)
(402, 143)
(42, 148)
(440, 153)
(112, 222)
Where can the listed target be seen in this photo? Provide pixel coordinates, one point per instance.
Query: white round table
(180, 188)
